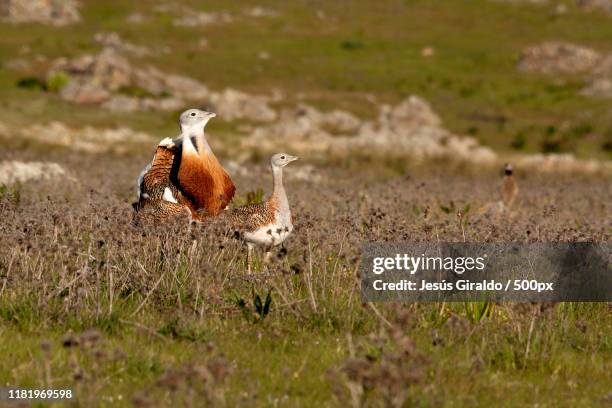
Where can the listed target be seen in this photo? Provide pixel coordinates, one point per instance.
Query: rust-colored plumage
(183, 177)
(204, 181)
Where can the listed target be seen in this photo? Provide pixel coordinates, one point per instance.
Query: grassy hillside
(349, 55)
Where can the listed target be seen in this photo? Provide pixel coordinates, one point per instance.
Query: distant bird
(266, 224)
(193, 179)
(509, 188)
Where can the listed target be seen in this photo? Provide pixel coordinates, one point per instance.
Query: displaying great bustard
(185, 176)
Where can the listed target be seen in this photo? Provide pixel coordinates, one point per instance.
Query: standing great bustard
(193, 180)
(266, 224)
(509, 187)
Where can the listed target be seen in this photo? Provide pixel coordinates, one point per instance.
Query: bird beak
(211, 114)
(293, 158)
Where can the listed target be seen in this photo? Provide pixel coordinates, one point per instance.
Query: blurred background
(476, 82)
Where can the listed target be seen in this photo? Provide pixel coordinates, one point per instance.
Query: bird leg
(267, 256)
(249, 257)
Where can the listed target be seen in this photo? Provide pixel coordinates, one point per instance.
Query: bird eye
(282, 157)
(193, 113)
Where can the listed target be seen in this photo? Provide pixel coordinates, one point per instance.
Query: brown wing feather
(250, 217)
(160, 210)
(159, 173)
(155, 180)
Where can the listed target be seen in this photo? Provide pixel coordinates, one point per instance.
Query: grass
(149, 315)
(334, 55)
(137, 314)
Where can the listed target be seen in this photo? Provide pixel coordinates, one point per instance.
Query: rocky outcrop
(87, 139)
(599, 82)
(108, 79)
(598, 86)
(558, 58)
(563, 58)
(596, 5)
(562, 163)
(55, 12)
(12, 172)
(409, 129)
(114, 41)
(191, 18)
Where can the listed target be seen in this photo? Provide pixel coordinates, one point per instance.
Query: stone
(110, 80)
(558, 58)
(87, 139)
(200, 19)
(113, 40)
(54, 12)
(408, 129)
(12, 172)
(602, 5)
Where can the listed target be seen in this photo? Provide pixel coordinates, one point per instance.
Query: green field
(142, 315)
(341, 54)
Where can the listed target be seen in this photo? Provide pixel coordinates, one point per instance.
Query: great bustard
(185, 172)
(509, 187)
(269, 223)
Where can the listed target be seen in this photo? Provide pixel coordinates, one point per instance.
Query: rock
(566, 163)
(599, 84)
(558, 58)
(338, 121)
(603, 5)
(12, 172)
(186, 87)
(113, 41)
(82, 91)
(258, 11)
(412, 111)
(55, 12)
(107, 71)
(421, 142)
(201, 19)
(123, 103)
(599, 87)
(232, 104)
(18, 65)
(409, 129)
(136, 18)
(108, 79)
(428, 52)
(560, 9)
(88, 139)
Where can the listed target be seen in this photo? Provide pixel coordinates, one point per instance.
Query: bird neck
(197, 132)
(278, 192)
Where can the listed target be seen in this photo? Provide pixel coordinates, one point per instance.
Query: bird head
(194, 120)
(282, 159)
(508, 169)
